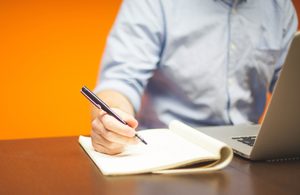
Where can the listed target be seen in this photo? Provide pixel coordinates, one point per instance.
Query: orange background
(49, 50)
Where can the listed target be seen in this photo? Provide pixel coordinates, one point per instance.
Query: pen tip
(141, 139)
(144, 142)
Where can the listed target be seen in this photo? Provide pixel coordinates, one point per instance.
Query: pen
(101, 105)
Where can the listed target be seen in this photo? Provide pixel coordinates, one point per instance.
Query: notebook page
(165, 149)
(192, 135)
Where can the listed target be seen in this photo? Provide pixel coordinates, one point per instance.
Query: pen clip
(92, 101)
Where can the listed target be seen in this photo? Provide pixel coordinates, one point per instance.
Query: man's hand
(110, 136)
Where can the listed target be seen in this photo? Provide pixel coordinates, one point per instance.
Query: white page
(164, 149)
(193, 136)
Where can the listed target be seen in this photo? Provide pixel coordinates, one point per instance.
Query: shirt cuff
(122, 87)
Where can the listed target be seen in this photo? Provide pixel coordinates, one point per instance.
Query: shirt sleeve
(290, 23)
(133, 49)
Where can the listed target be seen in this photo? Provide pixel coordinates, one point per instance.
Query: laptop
(278, 137)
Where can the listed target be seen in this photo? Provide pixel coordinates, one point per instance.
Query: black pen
(101, 105)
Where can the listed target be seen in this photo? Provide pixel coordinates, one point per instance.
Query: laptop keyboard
(249, 140)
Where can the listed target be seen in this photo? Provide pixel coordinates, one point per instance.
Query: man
(208, 62)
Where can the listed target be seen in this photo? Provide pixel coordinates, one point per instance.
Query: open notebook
(179, 149)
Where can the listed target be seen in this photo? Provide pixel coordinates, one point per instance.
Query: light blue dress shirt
(204, 62)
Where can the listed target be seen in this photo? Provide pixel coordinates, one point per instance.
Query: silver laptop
(278, 137)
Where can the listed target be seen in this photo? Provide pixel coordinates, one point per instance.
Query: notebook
(177, 150)
(278, 137)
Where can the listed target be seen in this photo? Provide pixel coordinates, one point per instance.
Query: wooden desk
(60, 166)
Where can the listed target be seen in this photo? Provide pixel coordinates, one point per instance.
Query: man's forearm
(114, 99)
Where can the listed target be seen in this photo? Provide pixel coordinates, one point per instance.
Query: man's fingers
(117, 138)
(112, 124)
(100, 144)
(97, 126)
(111, 136)
(130, 120)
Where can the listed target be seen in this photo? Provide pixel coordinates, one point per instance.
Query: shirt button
(234, 11)
(232, 46)
(230, 81)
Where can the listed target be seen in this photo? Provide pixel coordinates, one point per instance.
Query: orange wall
(49, 49)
